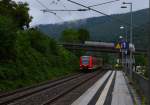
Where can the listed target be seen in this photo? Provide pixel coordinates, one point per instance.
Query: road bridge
(98, 48)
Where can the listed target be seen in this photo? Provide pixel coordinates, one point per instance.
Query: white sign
(131, 47)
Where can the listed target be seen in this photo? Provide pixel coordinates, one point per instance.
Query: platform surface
(85, 98)
(121, 94)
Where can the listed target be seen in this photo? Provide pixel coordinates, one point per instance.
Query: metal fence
(142, 83)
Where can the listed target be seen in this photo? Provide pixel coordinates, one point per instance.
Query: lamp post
(124, 50)
(125, 31)
(131, 35)
(122, 58)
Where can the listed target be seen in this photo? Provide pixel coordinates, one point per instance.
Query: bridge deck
(100, 48)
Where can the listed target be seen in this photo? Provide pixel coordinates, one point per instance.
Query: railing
(143, 83)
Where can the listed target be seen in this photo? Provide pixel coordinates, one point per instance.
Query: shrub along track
(49, 93)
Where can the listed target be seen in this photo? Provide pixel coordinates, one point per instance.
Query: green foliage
(42, 43)
(108, 58)
(33, 64)
(70, 35)
(28, 56)
(7, 39)
(83, 35)
(75, 36)
(18, 12)
(141, 60)
(67, 57)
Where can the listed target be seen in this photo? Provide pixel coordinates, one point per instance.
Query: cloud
(47, 18)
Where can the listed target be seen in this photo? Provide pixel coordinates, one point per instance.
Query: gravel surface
(39, 98)
(24, 92)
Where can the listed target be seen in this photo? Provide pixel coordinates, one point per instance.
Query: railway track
(49, 92)
(10, 97)
(66, 91)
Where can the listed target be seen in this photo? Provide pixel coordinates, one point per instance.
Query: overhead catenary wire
(103, 3)
(126, 24)
(111, 17)
(49, 10)
(56, 2)
(52, 11)
(99, 12)
(65, 6)
(88, 9)
(62, 10)
(45, 6)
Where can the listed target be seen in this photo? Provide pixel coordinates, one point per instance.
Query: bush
(7, 39)
(38, 58)
(28, 56)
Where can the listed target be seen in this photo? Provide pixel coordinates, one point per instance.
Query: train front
(85, 62)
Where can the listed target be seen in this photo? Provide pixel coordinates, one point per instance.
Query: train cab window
(85, 59)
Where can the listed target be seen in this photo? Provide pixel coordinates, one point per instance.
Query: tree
(41, 42)
(7, 38)
(70, 35)
(17, 11)
(73, 35)
(141, 60)
(83, 35)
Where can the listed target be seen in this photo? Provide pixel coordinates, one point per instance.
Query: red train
(90, 62)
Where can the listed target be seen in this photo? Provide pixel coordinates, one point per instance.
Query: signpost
(123, 46)
(118, 46)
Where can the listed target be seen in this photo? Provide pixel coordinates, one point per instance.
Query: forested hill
(104, 28)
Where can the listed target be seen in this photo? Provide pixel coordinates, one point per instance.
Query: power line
(49, 10)
(45, 6)
(127, 24)
(88, 8)
(103, 3)
(64, 6)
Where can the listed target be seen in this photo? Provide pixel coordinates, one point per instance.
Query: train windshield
(85, 59)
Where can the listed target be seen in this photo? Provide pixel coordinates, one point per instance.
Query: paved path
(121, 95)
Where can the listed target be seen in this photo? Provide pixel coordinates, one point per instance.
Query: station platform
(121, 94)
(111, 89)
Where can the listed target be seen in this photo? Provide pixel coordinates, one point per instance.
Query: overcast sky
(46, 18)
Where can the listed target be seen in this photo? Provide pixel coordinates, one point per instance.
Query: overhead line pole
(131, 36)
(131, 41)
(149, 53)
